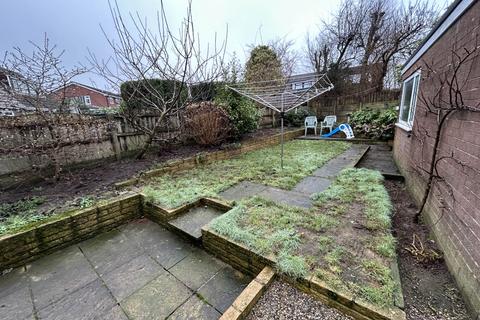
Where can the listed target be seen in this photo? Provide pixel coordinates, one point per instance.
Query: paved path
(138, 271)
(300, 195)
(380, 158)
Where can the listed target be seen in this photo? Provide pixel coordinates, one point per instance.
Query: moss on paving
(344, 239)
(301, 158)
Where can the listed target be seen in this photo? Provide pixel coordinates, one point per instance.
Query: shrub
(135, 93)
(207, 123)
(375, 124)
(296, 118)
(244, 115)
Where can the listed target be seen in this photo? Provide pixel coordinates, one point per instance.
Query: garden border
(247, 261)
(65, 229)
(207, 157)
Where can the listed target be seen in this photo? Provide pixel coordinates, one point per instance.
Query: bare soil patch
(79, 187)
(428, 287)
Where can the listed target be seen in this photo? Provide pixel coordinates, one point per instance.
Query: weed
(23, 208)
(334, 256)
(385, 246)
(324, 243)
(86, 202)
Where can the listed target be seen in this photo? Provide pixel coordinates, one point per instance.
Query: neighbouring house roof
(103, 92)
(453, 13)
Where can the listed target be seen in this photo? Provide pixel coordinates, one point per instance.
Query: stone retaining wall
(203, 158)
(67, 229)
(235, 254)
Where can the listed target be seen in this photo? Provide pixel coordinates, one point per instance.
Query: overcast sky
(74, 25)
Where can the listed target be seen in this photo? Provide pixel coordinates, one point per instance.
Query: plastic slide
(344, 127)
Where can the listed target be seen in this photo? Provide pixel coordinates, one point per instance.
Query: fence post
(116, 144)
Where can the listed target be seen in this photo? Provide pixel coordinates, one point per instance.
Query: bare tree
(285, 51)
(141, 53)
(319, 52)
(403, 26)
(442, 102)
(370, 33)
(343, 31)
(37, 82)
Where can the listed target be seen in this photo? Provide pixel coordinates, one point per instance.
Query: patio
(123, 274)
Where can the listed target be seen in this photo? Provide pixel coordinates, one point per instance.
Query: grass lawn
(344, 239)
(301, 158)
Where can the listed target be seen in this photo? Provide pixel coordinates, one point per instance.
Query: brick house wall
(453, 209)
(98, 99)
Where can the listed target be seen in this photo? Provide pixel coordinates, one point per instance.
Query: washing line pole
(268, 96)
(282, 114)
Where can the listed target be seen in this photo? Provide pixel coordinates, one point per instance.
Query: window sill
(404, 126)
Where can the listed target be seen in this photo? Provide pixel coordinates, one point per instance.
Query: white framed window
(302, 85)
(409, 101)
(87, 100)
(355, 78)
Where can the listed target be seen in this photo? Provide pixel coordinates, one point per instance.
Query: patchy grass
(301, 158)
(344, 239)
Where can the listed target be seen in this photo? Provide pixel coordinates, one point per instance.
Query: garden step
(191, 222)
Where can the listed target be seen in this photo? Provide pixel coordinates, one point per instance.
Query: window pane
(407, 99)
(414, 98)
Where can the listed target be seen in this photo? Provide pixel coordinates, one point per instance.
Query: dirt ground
(428, 288)
(96, 182)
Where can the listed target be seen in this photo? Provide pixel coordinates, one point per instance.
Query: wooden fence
(25, 141)
(343, 106)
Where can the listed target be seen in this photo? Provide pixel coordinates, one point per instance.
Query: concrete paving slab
(17, 305)
(192, 221)
(87, 303)
(286, 197)
(221, 290)
(13, 281)
(337, 164)
(56, 275)
(133, 275)
(116, 313)
(196, 309)
(164, 246)
(109, 250)
(196, 269)
(158, 299)
(242, 190)
(311, 185)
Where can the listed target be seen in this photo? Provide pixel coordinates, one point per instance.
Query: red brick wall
(453, 209)
(98, 100)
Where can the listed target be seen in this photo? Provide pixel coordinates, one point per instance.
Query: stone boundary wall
(66, 229)
(203, 158)
(243, 259)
